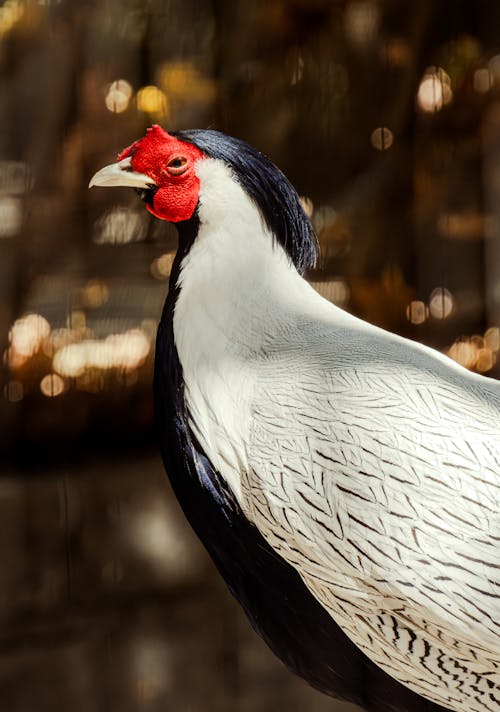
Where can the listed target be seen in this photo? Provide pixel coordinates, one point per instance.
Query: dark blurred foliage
(385, 115)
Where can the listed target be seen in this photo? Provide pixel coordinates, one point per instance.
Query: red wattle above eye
(152, 154)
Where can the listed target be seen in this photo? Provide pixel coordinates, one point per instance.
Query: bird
(344, 480)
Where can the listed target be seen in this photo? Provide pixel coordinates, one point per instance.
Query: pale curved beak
(121, 173)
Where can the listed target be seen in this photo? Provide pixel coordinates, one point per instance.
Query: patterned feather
(378, 480)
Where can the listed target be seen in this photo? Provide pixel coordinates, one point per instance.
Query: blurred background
(386, 117)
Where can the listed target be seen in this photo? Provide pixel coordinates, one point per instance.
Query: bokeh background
(386, 116)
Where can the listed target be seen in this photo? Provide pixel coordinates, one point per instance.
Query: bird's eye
(177, 165)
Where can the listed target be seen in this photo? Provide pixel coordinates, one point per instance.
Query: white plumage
(369, 462)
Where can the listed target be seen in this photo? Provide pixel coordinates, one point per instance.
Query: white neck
(234, 271)
(236, 287)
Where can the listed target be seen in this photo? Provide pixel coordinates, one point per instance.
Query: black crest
(268, 187)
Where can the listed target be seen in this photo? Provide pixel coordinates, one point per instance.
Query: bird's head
(165, 170)
(162, 169)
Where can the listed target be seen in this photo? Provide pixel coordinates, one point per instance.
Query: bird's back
(374, 470)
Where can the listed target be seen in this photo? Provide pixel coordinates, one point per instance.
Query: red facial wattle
(177, 190)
